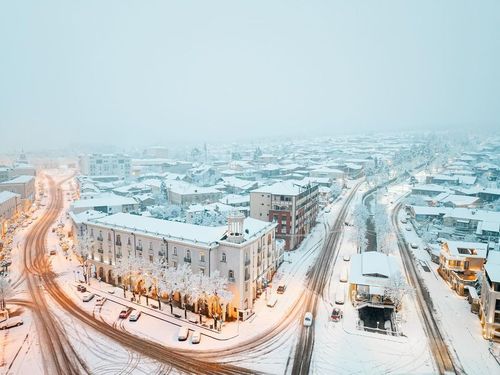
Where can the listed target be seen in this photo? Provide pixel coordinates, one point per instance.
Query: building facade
(105, 165)
(10, 205)
(292, 206)
(245, 252)
(489, 304)
(22, 185)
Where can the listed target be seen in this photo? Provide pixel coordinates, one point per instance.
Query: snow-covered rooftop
(19, 180)
(107, 200)
(6, 195)
(464, 249)
(492, 266)
(372, 268)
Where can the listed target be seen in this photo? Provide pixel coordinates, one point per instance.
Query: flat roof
(6, 195)
(19, 180)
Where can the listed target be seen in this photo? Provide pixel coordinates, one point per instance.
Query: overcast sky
(156, 72)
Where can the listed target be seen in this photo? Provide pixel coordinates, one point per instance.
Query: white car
(134, 317)
(88, 297)
(414, 245)
(404, 221)
(408, 229)
(347, 257)
(196, 337)
(11, 322)
(308, 319)
(327, 210)
(343, 275)
(183, 333)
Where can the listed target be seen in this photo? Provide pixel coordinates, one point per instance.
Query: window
(202, 270)
(109, 236)
(118, 240)
(202, 257)
(150, 259)
(174, 264)
(91, 232)
(230, 275)
(188, 254)
(175, 250)
(223, 259)
(128, 241)
(150, 245)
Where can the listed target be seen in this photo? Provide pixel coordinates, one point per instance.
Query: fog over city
(135, 73)
(250, 187)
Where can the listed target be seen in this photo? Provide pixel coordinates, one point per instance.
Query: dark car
(336, 315)
(125, 313)
(81, 288)
(281, 289)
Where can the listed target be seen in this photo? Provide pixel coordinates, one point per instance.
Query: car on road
(340, 296)
(81, 288)
(343, 275)
(11, 322)
(52, 252)
(347, 257)
(196, 337)
(308, 319)
(111, 290)
(183, 333)
(87, 297)
(404, 221)
(271, 302)
(408, 229)
(414, 245)
(281, 289)
(125, 313)
(100, 301)
(337, 314)
(134, 316)
(327, 210)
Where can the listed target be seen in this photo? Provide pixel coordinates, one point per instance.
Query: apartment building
(184, 193)
(246, 251)
(22, 185)
(105, 165)
(460, 263)
(292, 205)
(489, 304)
(9, 206)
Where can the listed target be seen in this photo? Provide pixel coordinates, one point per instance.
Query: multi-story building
(9, 207)
(4, 173)
(460, 262)
(183, 193)
(292, 205)
(489, 304)
(105, 165)
(245, 251)
(22, 185)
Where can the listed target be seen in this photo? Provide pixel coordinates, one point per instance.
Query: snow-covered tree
(335, 189)
(382, 229)
(360, 216)
(6, 291)
(397, 289)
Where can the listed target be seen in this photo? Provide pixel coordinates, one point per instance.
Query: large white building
(245, 251)
(105, 165)
(10, 205)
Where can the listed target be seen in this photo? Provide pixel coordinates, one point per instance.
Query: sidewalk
(177, 318)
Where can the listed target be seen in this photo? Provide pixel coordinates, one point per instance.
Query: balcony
(100, 251)
(99, 238)
(247, 262)
(161, 254)
(187, 260)
(119, 255)
(259, 250)
(138, 247)
(118, 243)
(259, 263)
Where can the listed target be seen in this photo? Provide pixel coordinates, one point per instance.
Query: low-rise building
(292, 205)
(370, 275)
(489, 304)
(244, 251)
(460, 262)
(184, 194)
(107, 203)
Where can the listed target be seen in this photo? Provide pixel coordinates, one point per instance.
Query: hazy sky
(156, 72)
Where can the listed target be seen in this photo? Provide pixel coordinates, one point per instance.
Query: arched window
(230, 275)
(223, 258)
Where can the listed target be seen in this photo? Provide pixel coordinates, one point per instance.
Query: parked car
(308, 319)
(196, 337)
(404, 221)
(347, 257)
(340, 296)
(281, 289)
(327, 210)
(408, 229)
(414, 245)
(125, 313)
(88, 297)
(53, 252)
(343, 275)
(337, 314)
(11, 322)
(271, 302)
(81, 288)
(100, 301)
(134, 316)
(183, 333)
(111, 290)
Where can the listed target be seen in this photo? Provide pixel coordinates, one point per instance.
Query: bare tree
(382, 229)
(397, 289)
(6, 291)
(360, 216)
